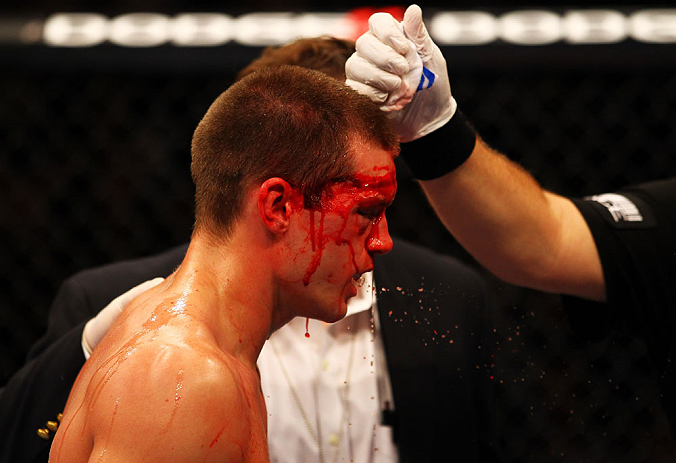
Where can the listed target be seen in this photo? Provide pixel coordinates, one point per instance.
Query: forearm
(513, 227)
(495, 209)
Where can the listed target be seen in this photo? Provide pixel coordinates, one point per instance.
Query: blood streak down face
(343, 231)
(367, 195)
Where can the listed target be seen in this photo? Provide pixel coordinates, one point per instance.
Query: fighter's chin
(352, 289)
(336, 314)
(341, 311)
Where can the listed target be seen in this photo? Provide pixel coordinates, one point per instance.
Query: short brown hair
(326, 54)
(283, 121)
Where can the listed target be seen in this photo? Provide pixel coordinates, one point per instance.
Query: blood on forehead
(361, 186)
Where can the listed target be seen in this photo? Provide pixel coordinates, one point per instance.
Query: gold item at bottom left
(52, 426)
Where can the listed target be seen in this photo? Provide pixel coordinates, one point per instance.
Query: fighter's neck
(233, 294)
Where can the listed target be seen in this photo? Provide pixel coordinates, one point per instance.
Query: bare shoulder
(176, 402)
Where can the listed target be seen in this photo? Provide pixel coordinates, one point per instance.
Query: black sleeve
(634, 231)
(69, 308)
(35, 395)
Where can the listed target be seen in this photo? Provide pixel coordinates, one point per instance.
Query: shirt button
(334, 440)
(325, 365)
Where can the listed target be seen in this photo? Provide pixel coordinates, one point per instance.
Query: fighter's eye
(370, 213)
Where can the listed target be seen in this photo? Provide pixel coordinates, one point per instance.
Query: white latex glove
(97, 327)
(383, 69)
(388, 61)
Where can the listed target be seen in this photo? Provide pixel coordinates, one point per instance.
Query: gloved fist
(97, 327)
(387, 63)
(384, 68)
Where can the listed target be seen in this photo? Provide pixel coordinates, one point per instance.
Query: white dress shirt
(324, 393)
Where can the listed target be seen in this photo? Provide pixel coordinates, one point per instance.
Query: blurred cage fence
(94, 168)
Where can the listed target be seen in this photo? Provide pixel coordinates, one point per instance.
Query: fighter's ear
(277, 200)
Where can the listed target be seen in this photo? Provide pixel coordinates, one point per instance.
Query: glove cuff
(441, 151)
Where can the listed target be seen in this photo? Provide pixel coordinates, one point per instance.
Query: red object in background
(359, 17)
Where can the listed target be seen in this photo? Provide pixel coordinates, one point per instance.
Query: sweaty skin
(175, 379)
(163, 361)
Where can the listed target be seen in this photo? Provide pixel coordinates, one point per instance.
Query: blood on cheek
(340, 200)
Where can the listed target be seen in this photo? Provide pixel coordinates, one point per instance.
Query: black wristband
(441, 151)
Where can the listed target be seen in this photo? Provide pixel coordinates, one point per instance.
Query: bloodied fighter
(275, 237)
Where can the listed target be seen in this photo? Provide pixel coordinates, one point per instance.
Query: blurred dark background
(94, 168)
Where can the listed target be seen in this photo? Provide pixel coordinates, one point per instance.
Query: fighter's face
(337, 238)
